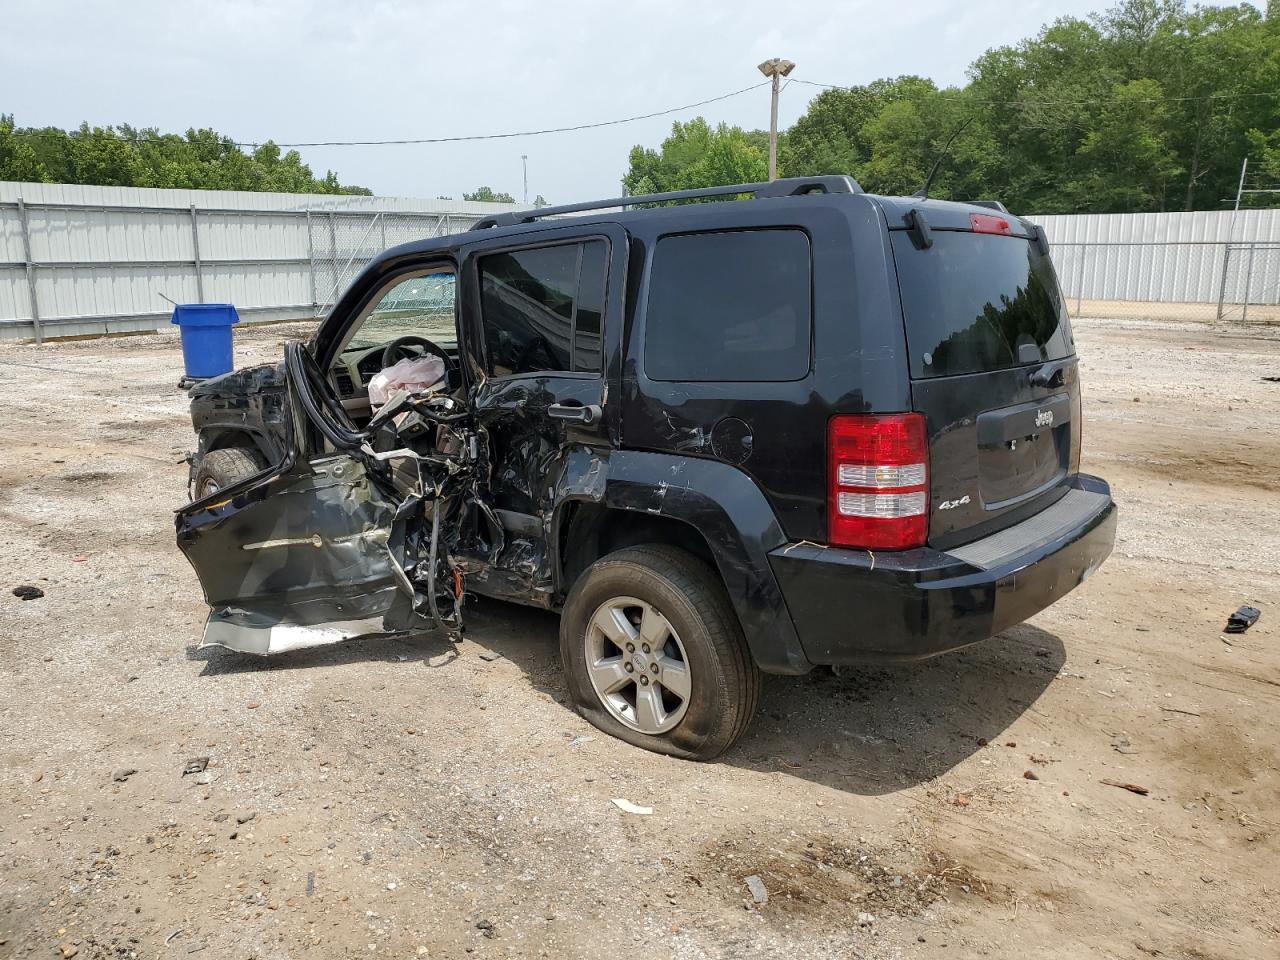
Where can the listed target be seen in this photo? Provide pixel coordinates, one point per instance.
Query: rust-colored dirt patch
(834, 883)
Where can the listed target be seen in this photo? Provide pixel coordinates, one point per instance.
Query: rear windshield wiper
(1052, 374)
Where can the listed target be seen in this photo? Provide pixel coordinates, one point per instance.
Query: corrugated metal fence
(1208, 265)
(83, 260)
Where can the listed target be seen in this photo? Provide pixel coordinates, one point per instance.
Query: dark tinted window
(586, 351)
(977, 302)
(530, 301)
(729, 306)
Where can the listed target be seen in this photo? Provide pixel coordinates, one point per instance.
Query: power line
(423, 140)
(1068, 103)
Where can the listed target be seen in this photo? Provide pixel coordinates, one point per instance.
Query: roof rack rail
(788, 187)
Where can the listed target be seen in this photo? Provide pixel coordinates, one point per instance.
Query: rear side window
(977, 302)
(729, 306)
(541, 308)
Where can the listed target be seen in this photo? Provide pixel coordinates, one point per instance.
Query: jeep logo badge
(1044, 418)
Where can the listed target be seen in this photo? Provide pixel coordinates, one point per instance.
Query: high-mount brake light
(988, 223)
(878, 470)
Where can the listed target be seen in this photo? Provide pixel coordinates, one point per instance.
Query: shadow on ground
(875, 729)
(866, 730)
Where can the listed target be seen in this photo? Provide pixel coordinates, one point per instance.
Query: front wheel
(219, 469)
(654, 654)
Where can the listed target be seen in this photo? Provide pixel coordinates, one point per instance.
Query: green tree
(1223, 53)
(1125, 163)
(1148, 105)
(487, 195)
(697, 155)
(1061, 144)
(1264, 158)
(17, 160)
(130, 157)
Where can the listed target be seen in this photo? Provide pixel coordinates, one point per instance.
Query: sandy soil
(409, 798)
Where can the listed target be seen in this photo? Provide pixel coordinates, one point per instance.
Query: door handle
(576, 412)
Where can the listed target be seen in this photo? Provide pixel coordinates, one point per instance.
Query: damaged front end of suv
(353, 533)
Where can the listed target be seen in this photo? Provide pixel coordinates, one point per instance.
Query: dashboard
(353, 370)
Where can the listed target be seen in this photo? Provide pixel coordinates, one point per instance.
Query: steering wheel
(397, 348)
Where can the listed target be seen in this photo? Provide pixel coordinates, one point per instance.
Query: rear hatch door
(993, 367)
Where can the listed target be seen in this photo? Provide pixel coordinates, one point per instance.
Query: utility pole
(775, 70)
(524, 162)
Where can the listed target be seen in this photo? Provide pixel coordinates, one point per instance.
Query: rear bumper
(850, 605)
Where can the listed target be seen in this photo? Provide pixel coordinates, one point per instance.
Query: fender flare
(724, 505)
(272, 451)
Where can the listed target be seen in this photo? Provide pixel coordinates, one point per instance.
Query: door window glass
(533, 300)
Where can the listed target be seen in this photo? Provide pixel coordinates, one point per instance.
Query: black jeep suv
(811, 427)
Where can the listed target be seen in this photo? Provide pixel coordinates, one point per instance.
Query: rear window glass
(729, 306)
(976, 302)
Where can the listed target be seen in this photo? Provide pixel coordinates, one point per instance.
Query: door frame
(471, 321)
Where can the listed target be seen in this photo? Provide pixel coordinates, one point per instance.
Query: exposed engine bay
(421, 444)
(368, 523)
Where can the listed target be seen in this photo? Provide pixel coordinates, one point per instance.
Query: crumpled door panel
(309, 556)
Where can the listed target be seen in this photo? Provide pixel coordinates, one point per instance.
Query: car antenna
(923, 192)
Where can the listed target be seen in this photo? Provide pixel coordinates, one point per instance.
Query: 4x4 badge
(952, 504)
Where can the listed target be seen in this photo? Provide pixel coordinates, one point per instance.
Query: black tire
(219, 469)
(724, 679)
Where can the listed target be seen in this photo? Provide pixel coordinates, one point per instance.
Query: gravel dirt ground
(411, 798)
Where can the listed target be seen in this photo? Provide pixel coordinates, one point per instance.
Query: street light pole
(775, 70)
(524, 163)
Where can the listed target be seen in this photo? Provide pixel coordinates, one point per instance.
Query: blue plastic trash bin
(206, 338)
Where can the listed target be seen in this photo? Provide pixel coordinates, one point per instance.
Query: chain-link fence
(1174, 280)
(342, 243)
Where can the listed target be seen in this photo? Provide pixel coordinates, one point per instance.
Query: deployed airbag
(410, 375)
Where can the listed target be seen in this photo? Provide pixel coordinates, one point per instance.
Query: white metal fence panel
(107, 259)
(1200, 265)
(104, 259)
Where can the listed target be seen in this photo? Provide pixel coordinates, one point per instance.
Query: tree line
(125, 156)
(1149, 106)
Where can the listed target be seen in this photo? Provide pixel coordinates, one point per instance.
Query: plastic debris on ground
(1242, 620)
(626, 806)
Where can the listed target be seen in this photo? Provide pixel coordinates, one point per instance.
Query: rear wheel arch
(709, 509)
(588, 531)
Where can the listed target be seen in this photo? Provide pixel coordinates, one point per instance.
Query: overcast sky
(305, 70)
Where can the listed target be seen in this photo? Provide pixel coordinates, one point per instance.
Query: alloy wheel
(638, 665)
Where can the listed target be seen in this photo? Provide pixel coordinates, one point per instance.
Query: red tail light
(878, 491)
(986, 223)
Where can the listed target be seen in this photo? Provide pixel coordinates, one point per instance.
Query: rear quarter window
(729, 306)
(979, 302)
